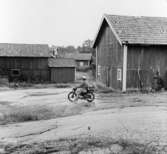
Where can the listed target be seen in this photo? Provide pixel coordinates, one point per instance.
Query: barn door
(139, 71)
(108, 76)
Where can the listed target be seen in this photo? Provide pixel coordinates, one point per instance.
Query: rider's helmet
(83, 77)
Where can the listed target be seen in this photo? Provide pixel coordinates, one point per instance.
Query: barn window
(15, 72)
(98, 70)
(119, 74)
(81, 63)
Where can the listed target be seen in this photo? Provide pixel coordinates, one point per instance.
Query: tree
(86, 47)
(70, 49)
(87, 43)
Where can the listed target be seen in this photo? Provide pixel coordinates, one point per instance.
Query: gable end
(105, 19)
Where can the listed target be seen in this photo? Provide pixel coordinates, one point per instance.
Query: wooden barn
(24, 62)
(129, 50)
(62, 70)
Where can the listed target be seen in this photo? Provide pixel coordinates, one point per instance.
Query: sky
(65, 22)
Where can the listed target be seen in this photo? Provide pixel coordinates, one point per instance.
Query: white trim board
(125, 52)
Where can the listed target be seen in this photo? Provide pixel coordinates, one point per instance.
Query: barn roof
(137, 30)
(61, 62)
(24, 50)
(79, 56)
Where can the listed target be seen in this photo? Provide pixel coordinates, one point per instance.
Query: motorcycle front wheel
(72, 96)
(90, 97)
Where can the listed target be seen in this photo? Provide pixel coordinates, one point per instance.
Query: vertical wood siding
(143, 62)
(110, 57)
(31, 69)
(62, 75)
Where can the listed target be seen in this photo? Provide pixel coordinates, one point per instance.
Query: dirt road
(141, 117)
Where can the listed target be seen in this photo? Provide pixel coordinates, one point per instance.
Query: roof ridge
(136, 30)
(24, 50)
(137, 16)
(23, 44)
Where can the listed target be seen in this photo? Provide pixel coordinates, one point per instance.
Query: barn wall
(110, 57)
(31, 69)
(62, 75)
(143, 62)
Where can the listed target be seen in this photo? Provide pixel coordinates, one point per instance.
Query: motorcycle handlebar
(74, 89)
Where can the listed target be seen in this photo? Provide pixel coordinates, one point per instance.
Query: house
(129, 50)
(24, 62)
(62, 70)
(82, 60)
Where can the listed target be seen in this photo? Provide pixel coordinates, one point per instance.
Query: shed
(62, 70)
(81, 59)
(24, 62)
(129, 50)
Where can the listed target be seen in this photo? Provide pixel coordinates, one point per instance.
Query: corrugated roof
(61, 62)
(139, 30)
(79, 56)
(24, 50)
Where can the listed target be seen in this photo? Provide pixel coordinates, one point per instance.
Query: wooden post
(96, 65)
(124, 68)
(75, 74)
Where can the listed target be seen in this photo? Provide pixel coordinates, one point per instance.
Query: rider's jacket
(83, 85)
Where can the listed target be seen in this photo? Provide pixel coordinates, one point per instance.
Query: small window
(15, 72)
(98, 70)
(119, 74)
(81, 64)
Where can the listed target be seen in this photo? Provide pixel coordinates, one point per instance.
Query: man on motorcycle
(83, 86)
(85, 92)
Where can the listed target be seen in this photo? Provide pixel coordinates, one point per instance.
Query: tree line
(86, 47)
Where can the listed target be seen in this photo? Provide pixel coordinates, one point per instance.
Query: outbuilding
(82, 60)
(129, 50)
(62, 70)
(24, 62)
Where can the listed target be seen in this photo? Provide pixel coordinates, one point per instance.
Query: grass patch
(89, 145)
(63, 85)
(101, 88)
(35, 113)
(24, 114)
(25, 85)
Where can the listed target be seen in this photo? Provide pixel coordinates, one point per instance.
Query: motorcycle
(74, 95)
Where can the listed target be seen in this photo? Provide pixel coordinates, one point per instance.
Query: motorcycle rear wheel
(90, 97)
(72, 97)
